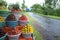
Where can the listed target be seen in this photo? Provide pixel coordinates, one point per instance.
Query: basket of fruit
(27, 31)
(13, 34)
(11, 21)
(23, 20)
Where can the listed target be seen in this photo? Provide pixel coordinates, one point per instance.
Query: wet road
(46, 35)
(51, 25)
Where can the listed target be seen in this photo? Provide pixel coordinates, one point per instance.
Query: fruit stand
(13, 27)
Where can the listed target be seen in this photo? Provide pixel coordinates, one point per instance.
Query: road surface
(48, 26)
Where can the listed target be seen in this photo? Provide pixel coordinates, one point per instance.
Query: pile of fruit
(11, 17)
(23, 18)
(27, 29)
(11, 31)
(1, 19)
(10, 25)
(18, 27)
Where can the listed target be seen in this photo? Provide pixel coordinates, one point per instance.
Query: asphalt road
(46, 26)
(49, 24)
(46, 35)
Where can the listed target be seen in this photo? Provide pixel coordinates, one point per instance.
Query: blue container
(4, 13)
(3, 38)
(11, 24)
(2, 24)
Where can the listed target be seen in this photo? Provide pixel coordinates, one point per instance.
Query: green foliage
(36, 8)
(47, 9)
(23, 5)
(14, 6)
(57, 12)
(3, 3)
(50, 3)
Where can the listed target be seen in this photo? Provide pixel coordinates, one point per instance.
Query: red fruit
(23, 17)
(22, 38)
(7, 29)
(11, 31)
(29, 38)
(18, 27)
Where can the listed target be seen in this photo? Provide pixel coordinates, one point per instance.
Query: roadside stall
(14, 26)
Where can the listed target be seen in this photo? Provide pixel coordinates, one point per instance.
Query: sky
(28, 3)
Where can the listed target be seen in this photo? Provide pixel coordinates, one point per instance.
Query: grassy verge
(54, 17)
(37, 35)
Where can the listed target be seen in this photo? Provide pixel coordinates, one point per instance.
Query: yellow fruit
(22, 29)
(1, 19)
(25, 26)
(27, 29)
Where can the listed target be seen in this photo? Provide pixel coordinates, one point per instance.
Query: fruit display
(11, 17)
(27, 29)
(18, 27)
(23, 18)
(6, 29)
(11, 31)
(11, 27)
(1, 19)
(11, 21)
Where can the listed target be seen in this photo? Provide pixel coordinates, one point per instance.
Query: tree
(50, 5)
(48, 8)
(10, 6)
(14, 6)
(23, 5)
(36, 8)
(3, 3)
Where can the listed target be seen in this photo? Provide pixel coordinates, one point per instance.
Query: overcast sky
(28, 3)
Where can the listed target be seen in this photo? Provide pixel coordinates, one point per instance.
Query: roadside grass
(37, 35)
(54, 17)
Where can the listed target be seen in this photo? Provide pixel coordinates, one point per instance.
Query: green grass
(54, 17)
(37, 35)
